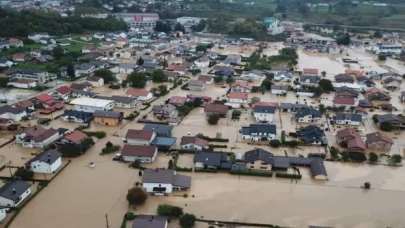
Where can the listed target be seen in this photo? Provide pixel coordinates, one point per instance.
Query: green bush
(252, 173)
(357, 157)
(97, 134)
(169, 210)
(201, 136)
(217, 146)
(24, 174)
(132, 116)
(287, 175)
(146, 107)
(205, 170)
(184, 169)
(130, 216)
(111, 149)
(182, 151)
(275, 143)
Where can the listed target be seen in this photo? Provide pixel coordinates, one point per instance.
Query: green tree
(164, 64)
(140, 61)
(326, 84)
(375, 118)
(57, 52)
(229, 80)
(184, 110)
(202, 48)
(134, 9)
(373, 157)
(377, 34)
(187, 221)
(323, 73)
(275, 143)
(24, 173)
(169, 210)
(343, 40)
(158, 76)
(3, 82)
(345, 156)
(281, 8)
(334, 152)
(382, 57)
(306, 27)
(136, 196)
(322, 108)
(162, 90)
(105, 74)
(179, 27)
(70, 71)
(137, 80)
(386, 126)
(213, 119)
(396, 158)
(303, 9)
(109, 144)
(218, 79)
(197, 102)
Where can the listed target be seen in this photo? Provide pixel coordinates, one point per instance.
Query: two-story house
(264, 113)
(344, 78)
(391, 83)
(45, 162)
(164, 111)
(346, 92)
(145, 154)
(36, 136)
(307, 115)
(348, 118)
(378, 141)
(346, 102)
(396, 121)
(241, 86)
(139, 137)
(258, 159)
(259, 132)
(377, 94)
(238, 97)
(312, 135)
(309, 79)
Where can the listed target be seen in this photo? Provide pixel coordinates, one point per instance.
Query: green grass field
(31, 66)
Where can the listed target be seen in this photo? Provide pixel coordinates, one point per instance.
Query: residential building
(84, 86)
(4, 45)
(365, 81)
(139, 137)
(273, 26)
(219, 109)
(139, 19)
(346, 102)
(253, 75)
(161, 130)
(178, 101)
(241, 86)
(346, 92)
(365, 103)
(193, 143)
(171, 75)
(95, 81)
(283, 76)
(150, 221)
(63, 92)
(15, 43)
(344, 78)
(377, 94)
(140, 94)
(258, 159)
(179, 69)
(264, 113)
(196, 85)
(145, 154)
(19, 57)
(238, 97)
(160, 181)
(75, 137)
(83, 69)
(354, 73)
(211, 160)
(356, 87)
(278, 89)
(13, 113)
(8, 125)
(391, 83)
(307, 115)
(233, 59)
(109, 118)
(36, 136)
(310, 71)
(354, 141)
(291, 107)
(77, 116)
(309, 79)
(40, 76)
(81, 93)
(45, 162)
(348, 118)
(397, 122)
(3, 213)
(312, 135)
(402, 97)
(361, 111)
(202, 62)
(126, 68)
(5, 62)
(259, 132)
(92, 104)
(37, 36)
(164, 111)
(378, 141)
(23, 83)
(14, 193)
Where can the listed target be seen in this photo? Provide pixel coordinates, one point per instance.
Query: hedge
(217, 146)
(152, 122)
(238, 223)
(130, 216)
(212, 139)
(289, 176)
(252, 173)
(184, 169)
(205, 170)
(182, 151)
(97, 134)
(124, 222)
(146, 107)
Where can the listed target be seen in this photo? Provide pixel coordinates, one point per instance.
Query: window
(263, 163)
(252, 167)
(252, 162)
(263, 167)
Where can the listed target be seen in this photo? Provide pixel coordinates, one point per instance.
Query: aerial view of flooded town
(117, 116)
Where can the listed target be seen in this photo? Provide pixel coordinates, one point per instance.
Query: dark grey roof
(311, 133)
(343, 78)
(280, 87)
(123, 99)
(259, 128)
(196, 83)
(109, 114)
(365, 103)
(166, 107)
(208, 158)
(49, 156)
(259, 154)
(292, 106)
(82, 92)
(150, 221)
(15, 185)
(308, 111)
(165, 176)
(389, 80)
(83, 66)
(9, 109)
(312, 79)
(97, 63)
(264, 109)
(149, 65)
(127, 65)
(281, 162)
(158, 128)
(317, 167)
(389, 118)
(163, 141)
(348, 116)
(345, 88)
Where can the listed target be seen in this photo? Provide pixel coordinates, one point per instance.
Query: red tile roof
(19, 56)
(177, 100)
(242, 84)
(238, 95)
(64, 90)
(355, 72)
(139, 134)
(205, 78)
(46, 135)
(44, 97)
(25, 103)
(177, 68)
(75, 136)
(344, 100)
(192, 139)
(137, 92)
(138, 151)
(264, 103)
(347, 133)
(216, 108)
(310, 71)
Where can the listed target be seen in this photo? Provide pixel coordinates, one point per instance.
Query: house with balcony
(348, 119)
(307, 115)
(259, 132)
(241, 86)
(312, 135)
(379, 141)
(396, 121)
(37, 136)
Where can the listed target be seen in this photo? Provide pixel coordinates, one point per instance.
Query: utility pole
(106, 220)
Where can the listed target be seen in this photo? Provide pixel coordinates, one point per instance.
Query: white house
(348, 118)
(305, 93)
(126, 68)
(14, 113)
(92, 104)
(37, 136)
(251, 75)
(241, 86)
(95, 81)
(46, 162)
(161, 181)
(139, 137)
(5, 63)
(283, 76)
(37, 36)
(202, 62)
(3, 213)
(264, 113)
(23, 83)
(145, 154)
(193, 143)
(259, 132)
(273, 26)
(278, 89)
(14, 193)
(140, 94)
(98, 35)
(307, 115)
(238, 97)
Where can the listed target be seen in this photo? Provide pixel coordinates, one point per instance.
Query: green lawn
(31, 66)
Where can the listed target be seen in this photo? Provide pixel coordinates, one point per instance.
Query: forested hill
(21, 23)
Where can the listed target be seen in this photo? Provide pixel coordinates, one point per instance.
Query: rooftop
(93, 102)
(14, 189)
(138, 151)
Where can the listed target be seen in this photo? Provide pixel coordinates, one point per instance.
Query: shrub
(130, 216)
(111, 149)
(185, 195)
(334, 152)
(252, 173)
(200, 170)
(132, 116)
(375, 120)
(97, 134)
(201, 136)
(283, 137)
(386, 126)
(367, 185)
(24, 174)
(213, 119)
(373, 157)
(217, 146)
(343, 144)
(187, 221)
(169, 210)
(396, 158)
(136, 196)
(357, 157)
(290, 176)
(275, 143)
(184, 169)
(292, 143)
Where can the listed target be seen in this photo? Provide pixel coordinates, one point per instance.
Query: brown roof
(177, 68)
(177, 100)
(136, 92)
(344, 100)
(25, 81)
(310, 71)
(93, 78)
(238, 95)
(355, 72)
(265, 103)
(192, 139)
(360, 110)
(242, 84)
(222, 68)
(377, 136)
(18, 55)
(138, 151)
(48, 133)
(205, 78)
(25, 103)
(216, 108)
(139, 134)
(354, 143)
(347, 133)
(76, 136)
(34, 130)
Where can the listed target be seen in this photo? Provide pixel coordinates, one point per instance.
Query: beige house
(258, 160)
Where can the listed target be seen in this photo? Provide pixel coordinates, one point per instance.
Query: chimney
(14, 192)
